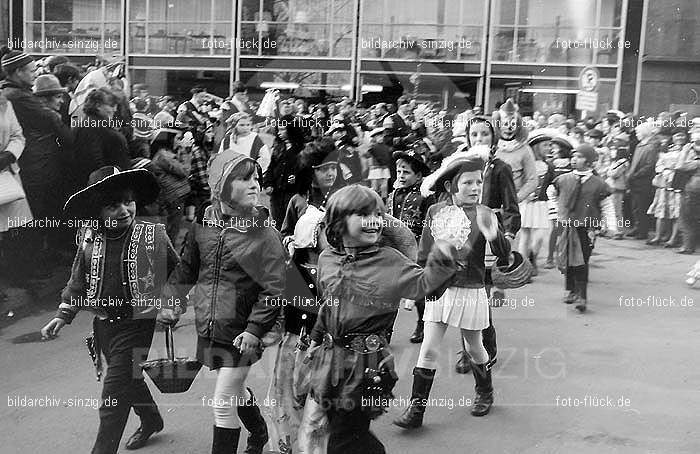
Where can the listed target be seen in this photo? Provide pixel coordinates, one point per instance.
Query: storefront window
(75, 27)
(297, 28)
(181, 27)
(556, 31)
(405, 29)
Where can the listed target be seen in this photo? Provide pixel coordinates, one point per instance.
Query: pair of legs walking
(125, 345)
(577, 276)
(424, 373)
(230, 391)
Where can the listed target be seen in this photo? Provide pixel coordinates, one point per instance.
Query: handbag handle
(169, 347)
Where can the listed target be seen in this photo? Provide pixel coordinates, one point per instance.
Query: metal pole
(355, 85)
(642, 46)
(486, 60)
(620, 52)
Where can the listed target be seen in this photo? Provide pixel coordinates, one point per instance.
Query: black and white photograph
(350, 226)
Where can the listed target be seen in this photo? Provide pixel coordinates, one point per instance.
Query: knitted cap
(15, 59)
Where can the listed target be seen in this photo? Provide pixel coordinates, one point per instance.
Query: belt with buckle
(327, 341)
(364, 343)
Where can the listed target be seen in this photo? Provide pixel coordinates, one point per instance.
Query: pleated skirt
(465, 308)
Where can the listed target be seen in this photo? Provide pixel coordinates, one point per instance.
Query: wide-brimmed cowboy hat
(448, 168)
(85, 203)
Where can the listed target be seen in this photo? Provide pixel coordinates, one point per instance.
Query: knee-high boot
(225, 440)
(412, 417)
(484, 389)
(255, 424)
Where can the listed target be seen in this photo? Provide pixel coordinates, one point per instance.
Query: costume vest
(144, 264)
(409, 212)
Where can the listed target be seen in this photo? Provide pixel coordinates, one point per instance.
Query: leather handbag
(10, 188)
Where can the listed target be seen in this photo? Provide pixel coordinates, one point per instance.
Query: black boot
(255, 424)
(225, 440)
(484, 389)
(463, 365)
(417, 336)
(412, 417)
(533, 260)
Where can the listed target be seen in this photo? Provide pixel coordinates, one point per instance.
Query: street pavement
(622, 378)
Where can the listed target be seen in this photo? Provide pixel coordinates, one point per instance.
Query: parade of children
(283, 252)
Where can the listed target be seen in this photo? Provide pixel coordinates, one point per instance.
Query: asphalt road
(623, 378)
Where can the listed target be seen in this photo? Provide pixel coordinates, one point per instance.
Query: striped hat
(15, 59)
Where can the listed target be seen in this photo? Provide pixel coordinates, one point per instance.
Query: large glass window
(410, 29)
(79, 26)
(180, 27)
(557, 31)
(297, 28)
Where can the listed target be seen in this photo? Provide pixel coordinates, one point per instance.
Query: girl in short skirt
(467, 225)
(534, 212)
(232, 271)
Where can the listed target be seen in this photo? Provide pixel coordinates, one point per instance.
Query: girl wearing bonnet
(233, 270)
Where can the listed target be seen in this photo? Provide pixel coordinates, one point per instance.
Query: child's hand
(445, 247)
(487, 222)
(246, 343)
(168, 317)
(310, 353)
(52, 328)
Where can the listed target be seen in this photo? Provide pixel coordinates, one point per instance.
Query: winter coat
(98, 145)
(47, 151)
(233, 273)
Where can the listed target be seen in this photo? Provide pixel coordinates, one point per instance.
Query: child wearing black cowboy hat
(118, 271)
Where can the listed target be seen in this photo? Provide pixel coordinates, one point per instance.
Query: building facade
(455, 52)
